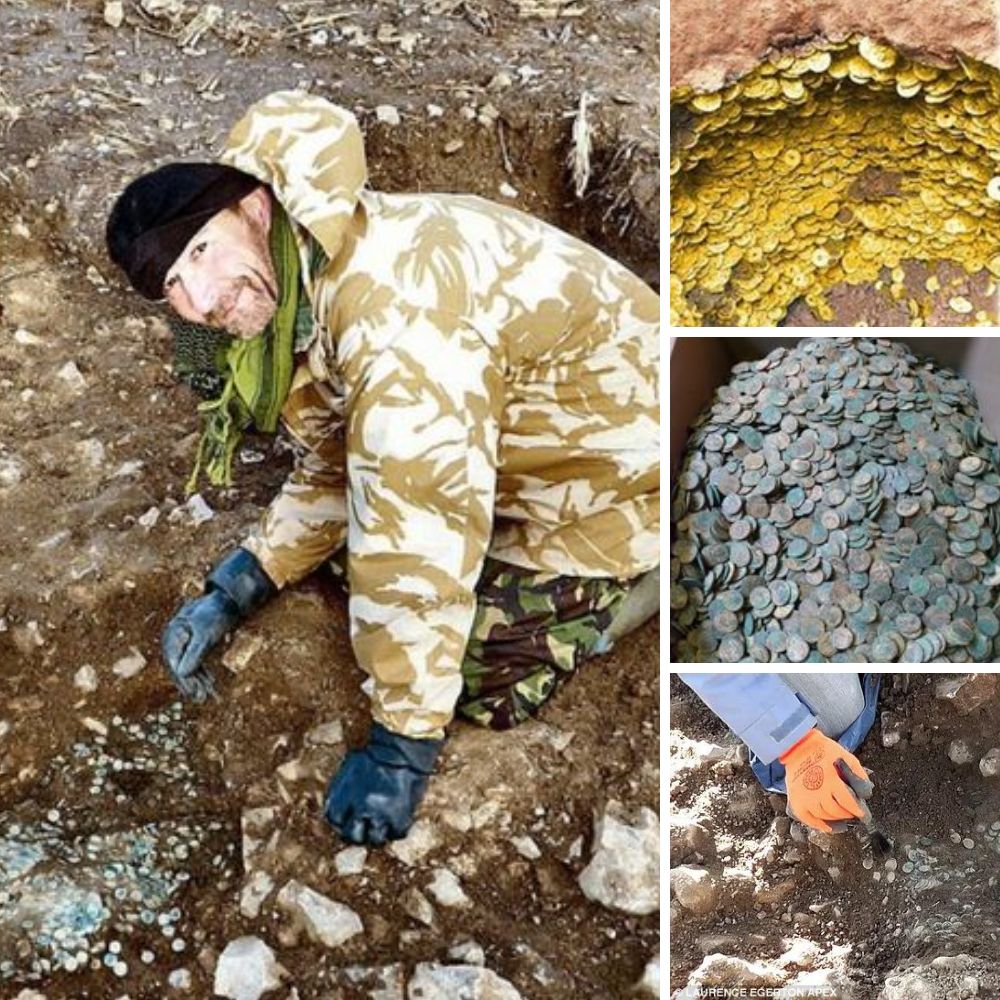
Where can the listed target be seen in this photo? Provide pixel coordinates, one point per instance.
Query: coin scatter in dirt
(845, 183)
(95, 863)
(838, 502)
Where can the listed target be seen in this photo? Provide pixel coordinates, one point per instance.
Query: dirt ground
(96, 441)
(825, 906)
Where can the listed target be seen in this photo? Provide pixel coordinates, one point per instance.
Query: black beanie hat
(158, 213)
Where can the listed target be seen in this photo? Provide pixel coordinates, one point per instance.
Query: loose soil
(83, 109)
(922, 800)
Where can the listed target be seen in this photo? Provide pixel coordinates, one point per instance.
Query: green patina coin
(839, 502)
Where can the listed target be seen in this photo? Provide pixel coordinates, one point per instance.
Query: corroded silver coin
(839, 500)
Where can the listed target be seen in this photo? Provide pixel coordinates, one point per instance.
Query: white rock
(421, 840)
(624, 869)
(198, 509)
(388, 114)
(350, 861)
(526, 847)
(959, 752)
(246, 970)
(447, 889)
(326, 734)
(694, 888)
(29, 994)
(451, 982)
(256, 889)
(129, 666)
(325, 921)
(416, 905)
(244, 647)
(72, 376)
(86, 678)
(27, 338)
(909, 986)
(989, 766)
(467, 953)
(11, 471)
(127, 469)
(507, 190)
(5, 728)
(91, 451)
(434, 111)
(149, 519)
(114, 13)
(649, 985)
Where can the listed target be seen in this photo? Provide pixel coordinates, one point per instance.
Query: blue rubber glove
(234, 589)
(374, 794)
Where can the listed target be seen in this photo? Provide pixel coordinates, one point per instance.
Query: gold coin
(794, 90)
(960, 304)
(908, 89)
(792, 158)
(879, 55)
(820, 257)
(706, 103)
(993, 188)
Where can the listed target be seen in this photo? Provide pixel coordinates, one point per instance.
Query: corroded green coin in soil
(838, 501)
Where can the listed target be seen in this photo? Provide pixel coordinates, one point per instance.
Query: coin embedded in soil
(878, 539)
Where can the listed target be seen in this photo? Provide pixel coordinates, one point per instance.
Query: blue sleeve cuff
(758, 707)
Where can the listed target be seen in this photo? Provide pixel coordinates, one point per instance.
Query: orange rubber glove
(820, 792)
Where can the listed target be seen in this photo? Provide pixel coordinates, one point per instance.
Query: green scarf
(258, 371)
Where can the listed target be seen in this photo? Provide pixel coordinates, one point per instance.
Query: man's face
(224, 277)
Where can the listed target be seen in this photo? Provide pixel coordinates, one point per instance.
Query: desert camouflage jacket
(479, 382)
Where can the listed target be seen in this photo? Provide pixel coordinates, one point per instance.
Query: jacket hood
(310, 152)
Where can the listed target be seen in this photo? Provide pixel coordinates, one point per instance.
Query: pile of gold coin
(833, 165)
(838, 502)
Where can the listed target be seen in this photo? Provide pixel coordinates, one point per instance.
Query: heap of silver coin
(838, 502)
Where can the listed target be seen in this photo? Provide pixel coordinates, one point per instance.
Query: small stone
(246, 970)
(989, 766)
(326, 921)
(416, 905)
(694, 888)
(350, 861)
(526, 847)
(431, 981)
(11, 472)
(508, 190)
(649, 985)
(434, 111)
(91, 451)
(149, 519)
(198, 510)
(244, 647)
(453, 146)
(388, 114)
(86, 679)
(420, 841)
(624, 869)
(72, 376)
(915, 985)
(447, 889)
(129, 666)
(467, 953)
(968, 691)
(326, 734)
(114, 13)
(959, 752)
(257, 888)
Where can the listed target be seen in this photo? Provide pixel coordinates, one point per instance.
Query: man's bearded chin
(257, 303)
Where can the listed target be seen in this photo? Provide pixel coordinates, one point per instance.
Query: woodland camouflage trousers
(531, 630)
